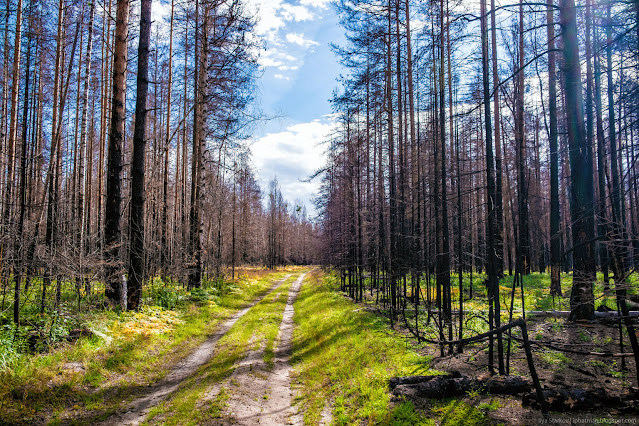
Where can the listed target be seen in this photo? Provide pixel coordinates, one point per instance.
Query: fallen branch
(598, 314)
(457, 382)
(576, 352)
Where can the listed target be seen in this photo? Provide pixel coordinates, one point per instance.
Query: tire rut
(137, 411)
(259, 395)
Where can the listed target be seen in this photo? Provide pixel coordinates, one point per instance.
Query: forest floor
(565, 356)
(287, 347)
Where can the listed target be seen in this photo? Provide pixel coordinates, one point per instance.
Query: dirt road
(137, 411)
(260, 393)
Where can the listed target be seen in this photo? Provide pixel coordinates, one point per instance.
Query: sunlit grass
(125, 351)
(344, 356)
(536, 297)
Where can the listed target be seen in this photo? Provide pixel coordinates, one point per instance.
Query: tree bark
(136, 223)
(491, 265)
(555, 218)
(112, 230)
(582, 302)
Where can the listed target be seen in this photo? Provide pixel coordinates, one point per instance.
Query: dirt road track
(259, 395)
(137, 411)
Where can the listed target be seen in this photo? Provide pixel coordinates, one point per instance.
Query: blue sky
(299, 77)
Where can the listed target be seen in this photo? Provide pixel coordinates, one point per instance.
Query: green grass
(555, 358)
(343, 356)
(455, 412)
(116, 364)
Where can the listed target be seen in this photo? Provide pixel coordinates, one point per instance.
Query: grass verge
(343, 356)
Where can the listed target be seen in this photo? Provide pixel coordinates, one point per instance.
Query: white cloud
(277, 58)
(300, 40)
(296, 13)
(293, 155)
(269, 21)
(281, 77)
(267, 61)
(321, 4)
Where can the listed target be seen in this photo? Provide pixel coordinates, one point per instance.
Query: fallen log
(566, 400)
(455, 384)
(393, 382)
(598, 314)
(521, 323)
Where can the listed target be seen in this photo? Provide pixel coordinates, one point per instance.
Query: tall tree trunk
(164, 250)
(582, 302)
(112, 229)
(199, 136)
(499, 204)
(83, 153)
(444, 255)
(104, 107)
(136, 223)
(520, 140)
(602, 224)
(13, 121)
(491, 265)
(22, 200)
(391, 173)
(555, 235)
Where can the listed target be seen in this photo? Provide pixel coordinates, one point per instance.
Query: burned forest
(319, 211)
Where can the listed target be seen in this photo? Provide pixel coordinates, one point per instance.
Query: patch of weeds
(147, 321)
(493, 405)
(473, 393)
(584, 336)
(539, 335)
(216, 407)
(556, 358)
(93, 377)
(618, 374)
(456, 412)
(405, 415)
(603, 341)
(614, 371)
(167, 297)
(595, 363)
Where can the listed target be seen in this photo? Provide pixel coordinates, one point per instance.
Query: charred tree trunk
(112, 231)
(582, 303)
(491, 265)
(136, 223)
(555, 219)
